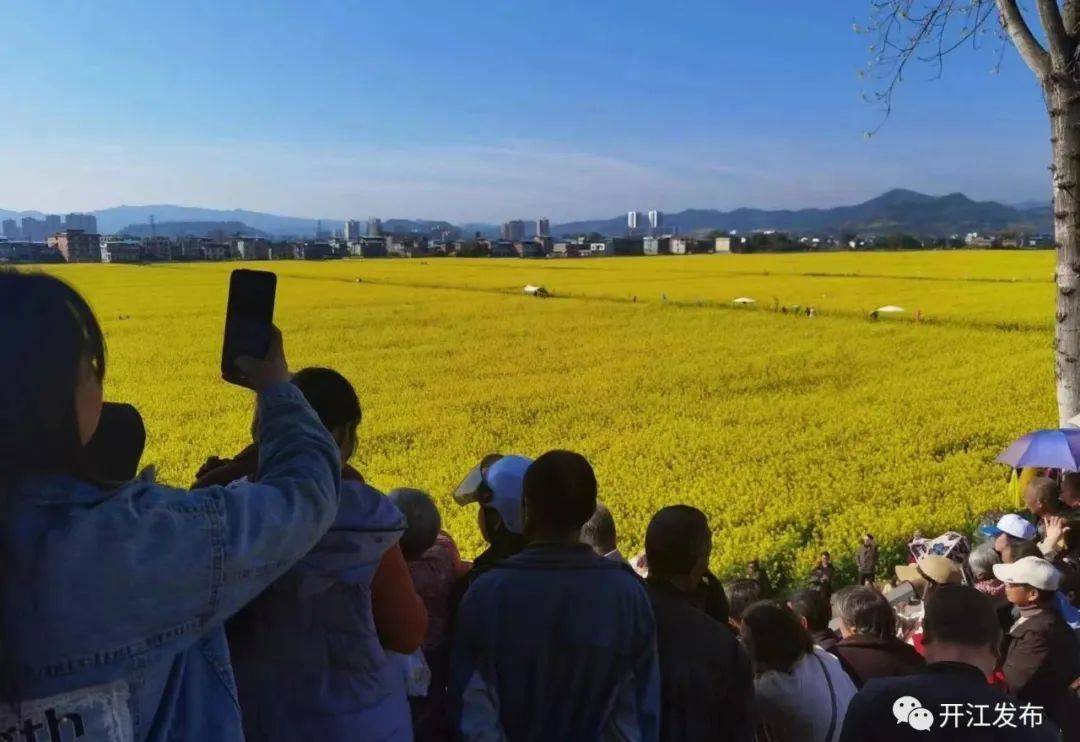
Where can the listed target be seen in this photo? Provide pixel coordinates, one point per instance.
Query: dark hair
(866, 612)
(960, 614)
(1070, 580)
(422, 521)
(47, 333)
(810, 605)
(1046, 491)
(774, 637)
(1070, 480)
(741, 595)
(599, 530)
(1017, 549)
(826, 554)
(676, 538)
(559, 490)
(331, 396)
(112, 454)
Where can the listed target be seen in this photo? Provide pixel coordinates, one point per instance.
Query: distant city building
(314, 251)
(543, 227)
(371, 247)
(656, 220)
(352, 230)
(11, 230)
(504, 248)
(627, 246)
(188, 248)
(158, 249)
(374, 227)
(121, 251)
(252, 249)
(33, 230)
(974, 239)
(54, 224)
(77, 246)
(85, 222)
(530, 248)
(513, 230)
(21, 251)
(1038, 240)
(633, 219)
(215, 250)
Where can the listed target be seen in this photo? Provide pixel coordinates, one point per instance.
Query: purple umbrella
(1053, 449)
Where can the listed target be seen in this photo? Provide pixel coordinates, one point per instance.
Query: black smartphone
(249, 320)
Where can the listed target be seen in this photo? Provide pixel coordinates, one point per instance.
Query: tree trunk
(1064, 107)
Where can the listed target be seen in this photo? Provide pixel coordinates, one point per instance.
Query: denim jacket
(114, 602)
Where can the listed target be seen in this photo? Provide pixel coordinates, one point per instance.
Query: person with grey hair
(421, 517)
(836, 600)
(435, 566)
(868, 647)
(981, 561)
(599, 533)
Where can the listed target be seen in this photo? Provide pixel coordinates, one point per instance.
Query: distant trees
(768, 242)
(898, 241)
(474, 249)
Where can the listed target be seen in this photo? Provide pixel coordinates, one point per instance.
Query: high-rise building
(633, 218)
(53, 224)
(513, 230)
(543, 227)
(85, 222)
(374, 226)
(352, 230)
(33, 230)
(656, 219)
(11, 230)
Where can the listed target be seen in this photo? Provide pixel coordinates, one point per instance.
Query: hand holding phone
(262, 373)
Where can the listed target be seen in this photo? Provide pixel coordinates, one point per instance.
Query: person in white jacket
(801, 691)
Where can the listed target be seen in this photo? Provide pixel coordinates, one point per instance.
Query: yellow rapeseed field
(792, 433)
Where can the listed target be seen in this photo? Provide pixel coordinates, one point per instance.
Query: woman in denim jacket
(113, 602)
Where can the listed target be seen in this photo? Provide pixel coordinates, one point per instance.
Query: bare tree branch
(1031, 51)
(924, 30)
(1061, 46)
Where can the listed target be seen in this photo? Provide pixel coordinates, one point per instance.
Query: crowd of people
(283, 597)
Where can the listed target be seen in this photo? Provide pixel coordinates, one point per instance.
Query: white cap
(1013, 525)
(1031, 570)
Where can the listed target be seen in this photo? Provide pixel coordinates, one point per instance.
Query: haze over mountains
(896, 211)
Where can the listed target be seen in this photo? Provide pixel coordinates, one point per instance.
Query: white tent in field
(743, 300)
(889, 309)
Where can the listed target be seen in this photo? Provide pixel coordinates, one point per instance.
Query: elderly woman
(868, 647)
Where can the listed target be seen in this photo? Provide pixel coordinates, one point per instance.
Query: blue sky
(489, 110)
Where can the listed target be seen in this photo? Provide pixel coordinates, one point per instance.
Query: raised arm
(150, 567)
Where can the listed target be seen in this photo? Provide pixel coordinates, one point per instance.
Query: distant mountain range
(191, 229)
(892, 212)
